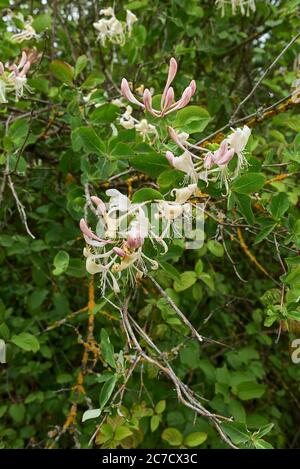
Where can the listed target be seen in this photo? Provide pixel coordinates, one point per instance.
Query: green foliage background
(55, 143)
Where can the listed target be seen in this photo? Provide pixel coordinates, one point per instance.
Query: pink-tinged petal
(208, 160)
(119, 252)
(25, 69)
(99, 203)
(85, 230)
(171, 75)
(147, 98)
(170, 157)
(169, 100)
(222, 150)
(183, 101)
(23, 60)
(126, 92)
(193, 87)
(226, 158)
(174, 137)
(134, 241)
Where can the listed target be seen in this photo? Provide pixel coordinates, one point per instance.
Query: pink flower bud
(193, 86)
(134, 241)
(147, 98)
(100, 205)
(171, 75)
(208, 160)
(126, 92)
(85, 230)
(119, 252)
(185, 98)
(170, 157)
(168, 100)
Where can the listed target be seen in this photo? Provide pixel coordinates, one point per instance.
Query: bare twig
(265, 73)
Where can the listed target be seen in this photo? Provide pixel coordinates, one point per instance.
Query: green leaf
(207, 279)
(105, 114)
(279, 205)
(244, 205)
(122, 432)
(107, 348)
(249, 182)
(26, 341)
(237, 432)
(215, 248)
(2, 310)
(80, 65)
(87, 137)
(192, 119)
(107, 391)
(187, 279)
(91, 414)
(61, 262)
(143, 195)
(250, 390)
(17, 412)
(160, 407)
(62, 71)
(264, 233)
(195, 439)
(150, 163)
(42, 22)
(154, 422)
(262, 444)
(172, 436)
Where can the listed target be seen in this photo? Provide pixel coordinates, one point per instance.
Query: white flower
(145, 129)
(26, 35)
(183, 163)
(2, 91)
(246, 6)
(117, 201)
(130, 20)
(239, 139)
(237, 142)
(183, 194)
(170, 210)
(107, 11)
(126, 119)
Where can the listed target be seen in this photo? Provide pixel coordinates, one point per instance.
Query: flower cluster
(212, 162)
(128, 121)
(167, 103)
(245, 6)
(13, 78)
(116, 248)
(112, 29)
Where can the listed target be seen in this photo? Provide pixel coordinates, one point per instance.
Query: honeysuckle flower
(13, 78)
(126, 119)
(107, 11)
(238, 141)
(130, 20)
(183, 163)
(112, 29)
(27, 34)
(184, 193)
(118, 201)
(146, 129)
(246, 6)
(2, 91)
(167, 104)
